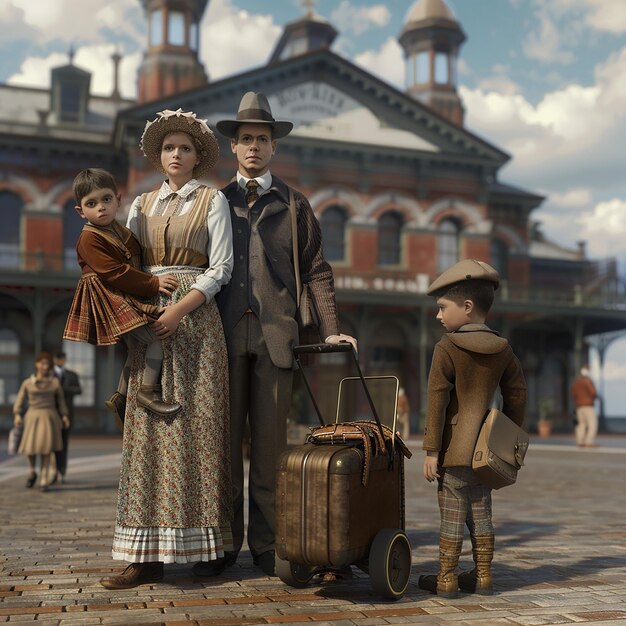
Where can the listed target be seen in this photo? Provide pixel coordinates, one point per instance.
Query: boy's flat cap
(469, 269)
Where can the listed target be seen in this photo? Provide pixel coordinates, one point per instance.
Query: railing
(599, 284)
(12, 260)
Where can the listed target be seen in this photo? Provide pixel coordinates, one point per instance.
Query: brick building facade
(402, 190)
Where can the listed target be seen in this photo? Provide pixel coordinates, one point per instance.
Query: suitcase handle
(322, 348)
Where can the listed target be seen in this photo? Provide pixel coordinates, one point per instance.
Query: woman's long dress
(42, 419)
(175, 501)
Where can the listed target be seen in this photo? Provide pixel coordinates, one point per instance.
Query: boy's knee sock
(153, 363)
(122, 386)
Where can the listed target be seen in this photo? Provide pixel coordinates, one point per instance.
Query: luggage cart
(327, 518)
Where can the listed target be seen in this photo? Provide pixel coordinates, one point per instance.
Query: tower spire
(306, 34)
(431, 39)
(309, 6)
(171, 64)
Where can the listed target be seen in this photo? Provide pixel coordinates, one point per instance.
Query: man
(71, 387)
(584, 392)
(258, 309)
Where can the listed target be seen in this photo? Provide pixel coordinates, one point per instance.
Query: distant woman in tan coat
(41, 407)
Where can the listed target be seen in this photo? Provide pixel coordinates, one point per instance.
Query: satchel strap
(294, 244)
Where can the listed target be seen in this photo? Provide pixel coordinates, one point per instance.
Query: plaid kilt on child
(100, 314)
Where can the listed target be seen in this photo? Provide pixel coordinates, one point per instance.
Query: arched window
(447, 244)
(389, 229)
(333, 223)
(500, 257)
(9, 365)
(72, 225)
(11, 210)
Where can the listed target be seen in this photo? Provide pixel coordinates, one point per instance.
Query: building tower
(307, 34)
(431, 39)
(171, 64)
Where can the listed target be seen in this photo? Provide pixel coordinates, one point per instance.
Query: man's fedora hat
(469, 269)
(180, 121)
(254, 108)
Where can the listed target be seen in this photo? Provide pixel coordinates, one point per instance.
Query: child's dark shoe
(445, 588)
(470, 582)
(149, 397)
(117, 405)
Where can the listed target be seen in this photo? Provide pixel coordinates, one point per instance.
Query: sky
(545, 80)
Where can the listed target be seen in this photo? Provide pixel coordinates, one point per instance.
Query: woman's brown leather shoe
(134, 575)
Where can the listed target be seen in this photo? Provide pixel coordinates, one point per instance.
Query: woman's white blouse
(220, 244)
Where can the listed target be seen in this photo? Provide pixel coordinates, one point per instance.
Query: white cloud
(606, 15)
(604, 227)
(387, 62)
(545, 43)
(568, 146)
(348, 17)
(573, 137)
(71, 21)
(572, 198)
(499, 81)
(35, 71)
(12, 23)
(233, 40)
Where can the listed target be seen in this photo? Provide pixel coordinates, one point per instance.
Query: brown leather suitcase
(324, 513)
(327, 518)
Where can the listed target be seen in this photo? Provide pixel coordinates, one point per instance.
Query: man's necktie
(252, 194)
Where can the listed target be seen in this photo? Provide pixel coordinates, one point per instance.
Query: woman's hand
(18, 420)
(66, 421)
(431, 465)
(167, 284)
(168, 322)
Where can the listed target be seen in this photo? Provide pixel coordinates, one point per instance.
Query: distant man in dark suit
(71, 387)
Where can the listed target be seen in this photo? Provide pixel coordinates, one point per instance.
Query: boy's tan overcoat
(468, 366)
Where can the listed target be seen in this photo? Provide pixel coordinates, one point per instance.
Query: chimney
(116, 57)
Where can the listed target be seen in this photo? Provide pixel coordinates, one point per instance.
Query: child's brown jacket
(467, 368)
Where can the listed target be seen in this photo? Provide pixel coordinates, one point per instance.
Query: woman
(174, 502)
(46, 415)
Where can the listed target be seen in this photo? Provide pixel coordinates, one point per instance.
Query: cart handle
(319, 348)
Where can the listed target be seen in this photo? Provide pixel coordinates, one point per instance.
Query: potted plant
(544, 424)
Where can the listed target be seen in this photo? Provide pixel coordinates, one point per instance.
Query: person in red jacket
(584, 392)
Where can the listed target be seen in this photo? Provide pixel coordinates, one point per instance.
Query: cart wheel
(390, 563)
(293, 574)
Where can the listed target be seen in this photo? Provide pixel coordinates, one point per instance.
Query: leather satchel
(306, 314)
(500, 450)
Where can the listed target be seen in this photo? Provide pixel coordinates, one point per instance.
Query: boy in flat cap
(469, 363)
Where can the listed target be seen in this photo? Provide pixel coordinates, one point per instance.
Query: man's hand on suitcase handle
(341, 338)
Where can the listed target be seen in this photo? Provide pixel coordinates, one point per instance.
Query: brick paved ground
(560, 555)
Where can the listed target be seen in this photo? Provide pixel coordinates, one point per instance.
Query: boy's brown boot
(446, 583)
(134, 575)
(149, 397)
(479, 579)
